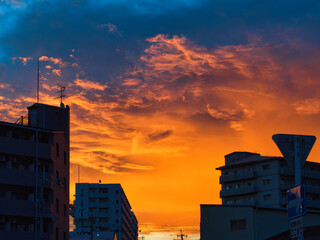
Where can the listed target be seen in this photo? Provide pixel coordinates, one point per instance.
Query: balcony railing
(238, 176)
(313, 204)
(238, 191)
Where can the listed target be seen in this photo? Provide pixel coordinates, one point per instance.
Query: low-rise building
(103, 207)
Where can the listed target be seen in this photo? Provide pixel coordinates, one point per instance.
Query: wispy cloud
(24, 60)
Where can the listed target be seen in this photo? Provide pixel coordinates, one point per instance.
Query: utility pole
(181, 236)
(91, 227)
(38, 79)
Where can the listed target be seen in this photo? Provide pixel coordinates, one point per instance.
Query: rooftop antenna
(62, 89)
(38, 74)
(78, 173)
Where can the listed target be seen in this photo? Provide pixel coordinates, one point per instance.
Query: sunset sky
(160, 91)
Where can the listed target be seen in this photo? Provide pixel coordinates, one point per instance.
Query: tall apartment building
(104, 207)
(253, 193)
(250, 179)
(34, 175)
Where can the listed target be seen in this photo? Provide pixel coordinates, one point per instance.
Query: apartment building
(253, 193)
(251, 179)
(34, 175)
(103, 207)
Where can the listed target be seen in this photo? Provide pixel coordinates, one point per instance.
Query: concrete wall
(261, 223)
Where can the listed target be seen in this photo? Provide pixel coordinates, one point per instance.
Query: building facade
(103, 207)
(34, 175)
(251, 179)
(253, 193)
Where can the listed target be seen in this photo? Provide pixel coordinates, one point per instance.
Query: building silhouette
(101, 208)
(34, 175)
(253, 193)
(251, 179)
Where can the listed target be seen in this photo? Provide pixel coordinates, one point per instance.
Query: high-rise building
(101, 208)
(34, 175)
(254, 205)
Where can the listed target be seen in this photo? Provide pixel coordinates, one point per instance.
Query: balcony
(286, 186)
(238, 176)
(26, 177)
(103, 214)
(103, 205)
(17, 207)
(313, 204)
(93, 195)
(313, 189)
(304, 173)
(24, 147)
(286, 171)
(239, 191)
(103, 195)
(310, 174)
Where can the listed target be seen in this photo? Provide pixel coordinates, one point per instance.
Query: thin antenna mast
(78, 173)
(38, 73)
(62, 89)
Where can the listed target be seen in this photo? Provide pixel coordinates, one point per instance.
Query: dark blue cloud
(53, 28)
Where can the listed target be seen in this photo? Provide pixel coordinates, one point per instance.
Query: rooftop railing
(23, 120)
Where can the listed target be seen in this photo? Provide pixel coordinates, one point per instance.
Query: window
(65, 158)
(57, 149)
(64, 236)
(117, 211)
(238, 224)
(249, 183)
(64, 210)
(57, 205)
(267, 197)
(103, 200)
(92, 190)
(104, 190)
(266, 181)
(57, 175)
(237, 186)
(266, 167)
(117, 191)
(228, 202)
(57, 233)
(65, 184)
(45, 227)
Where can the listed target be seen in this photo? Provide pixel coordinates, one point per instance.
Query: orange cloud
(89, 85)
(308, 106)
(56, 61)
(24, 60)
(56, 72)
